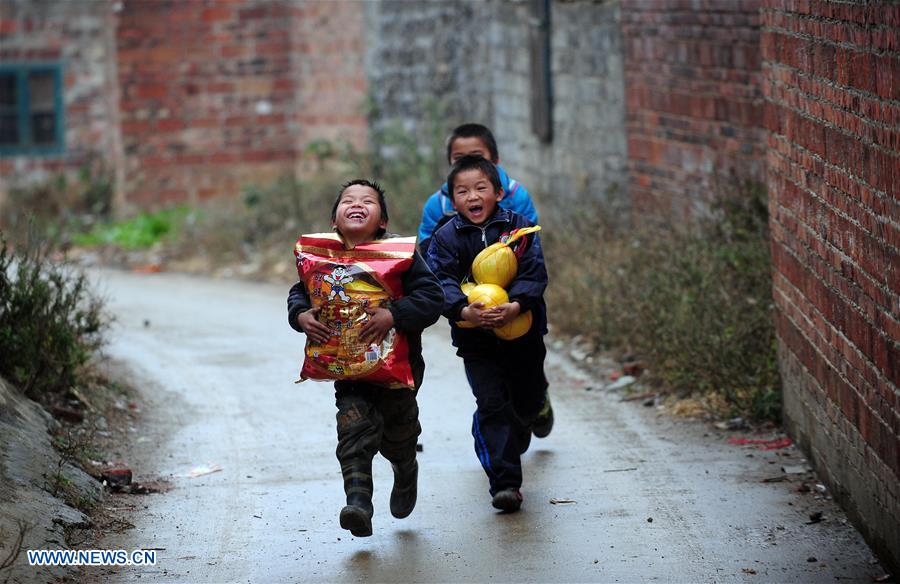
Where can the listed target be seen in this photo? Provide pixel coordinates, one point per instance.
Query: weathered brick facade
(218, 95)
(693, 101)
(832, 83)
(77, 35)
(187, 100)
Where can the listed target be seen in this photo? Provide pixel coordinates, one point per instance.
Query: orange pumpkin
(515, 328)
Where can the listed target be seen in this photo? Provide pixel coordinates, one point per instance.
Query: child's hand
(380, 322)
(477, 315)
(502, 314)
(315, 330)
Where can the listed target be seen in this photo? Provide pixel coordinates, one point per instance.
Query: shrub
(50, 321)
(695, 303)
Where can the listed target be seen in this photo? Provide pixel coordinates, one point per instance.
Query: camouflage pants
(373, 419)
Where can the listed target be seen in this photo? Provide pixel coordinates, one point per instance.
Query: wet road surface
(654, 499)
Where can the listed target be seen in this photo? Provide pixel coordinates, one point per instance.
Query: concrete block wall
(473, 59)
(77, 35)
(832, 82)
(586, 157)
(693, 100)
(428, 66)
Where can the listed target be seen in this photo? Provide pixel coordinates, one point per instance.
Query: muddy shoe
(403, 495)
(356, 517)
(507, 500)
(544, 422)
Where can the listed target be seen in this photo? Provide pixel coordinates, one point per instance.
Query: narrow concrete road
(654, 499)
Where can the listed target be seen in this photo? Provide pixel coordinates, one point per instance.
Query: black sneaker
(403, 495)
(507, 500)
(356, 517)
(543, 423)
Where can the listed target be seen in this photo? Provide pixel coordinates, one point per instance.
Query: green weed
(140, 232)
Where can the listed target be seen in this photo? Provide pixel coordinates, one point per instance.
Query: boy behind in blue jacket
(472, 140)
(507, 377)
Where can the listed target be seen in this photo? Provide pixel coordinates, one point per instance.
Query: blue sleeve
(431, 214)
(521, 203)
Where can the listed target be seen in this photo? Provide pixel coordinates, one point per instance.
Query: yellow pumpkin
(497, 264)
(490, 295)
(466, 288)
(515, 328)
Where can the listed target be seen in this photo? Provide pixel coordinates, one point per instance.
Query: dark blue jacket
(454, 247)
(439, 208)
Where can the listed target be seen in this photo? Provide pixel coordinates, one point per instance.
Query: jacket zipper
(483, 229)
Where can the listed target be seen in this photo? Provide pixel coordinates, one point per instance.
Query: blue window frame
(31, 109)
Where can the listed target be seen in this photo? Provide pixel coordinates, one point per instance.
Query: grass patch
(696, 304)
(140, 232)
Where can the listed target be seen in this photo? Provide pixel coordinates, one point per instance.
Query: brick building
(832, 83)
(802, 96)
(181, 100)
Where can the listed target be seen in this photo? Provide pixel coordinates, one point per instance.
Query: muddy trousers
(510, 387)
(372, 419)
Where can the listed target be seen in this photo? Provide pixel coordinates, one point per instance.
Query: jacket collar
(500, 215)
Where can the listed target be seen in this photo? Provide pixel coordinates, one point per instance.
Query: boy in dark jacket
(472, 140)
(507, 377)
(372, 418)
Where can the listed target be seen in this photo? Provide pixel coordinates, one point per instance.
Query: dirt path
(216, 361)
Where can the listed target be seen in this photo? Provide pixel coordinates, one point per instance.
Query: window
(31, 110)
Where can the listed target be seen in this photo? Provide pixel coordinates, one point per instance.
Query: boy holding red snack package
(505, 368)
(363, 300)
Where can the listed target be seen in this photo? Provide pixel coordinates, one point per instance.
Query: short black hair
(366, 183)
(474, 163)
(474, 131)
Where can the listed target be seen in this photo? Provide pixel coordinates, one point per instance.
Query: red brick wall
(216, 95)
(329, 52)
(207, 96)
(693, 100)
(77, 35)
(832, 83)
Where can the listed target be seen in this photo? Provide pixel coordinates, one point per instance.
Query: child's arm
(423, 298)
(445, 265)
(432, 213)
(527, 288)
(419, 308)
(303, 317)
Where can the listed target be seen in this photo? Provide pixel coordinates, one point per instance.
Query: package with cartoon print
(343, 283)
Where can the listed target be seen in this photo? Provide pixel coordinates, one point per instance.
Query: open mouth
(475, 210)
(356, 216)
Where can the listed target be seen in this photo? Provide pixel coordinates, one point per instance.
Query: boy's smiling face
(470, 146)
(358, 216)
(474, 197)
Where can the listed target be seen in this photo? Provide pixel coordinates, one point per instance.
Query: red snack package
(343, 283)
